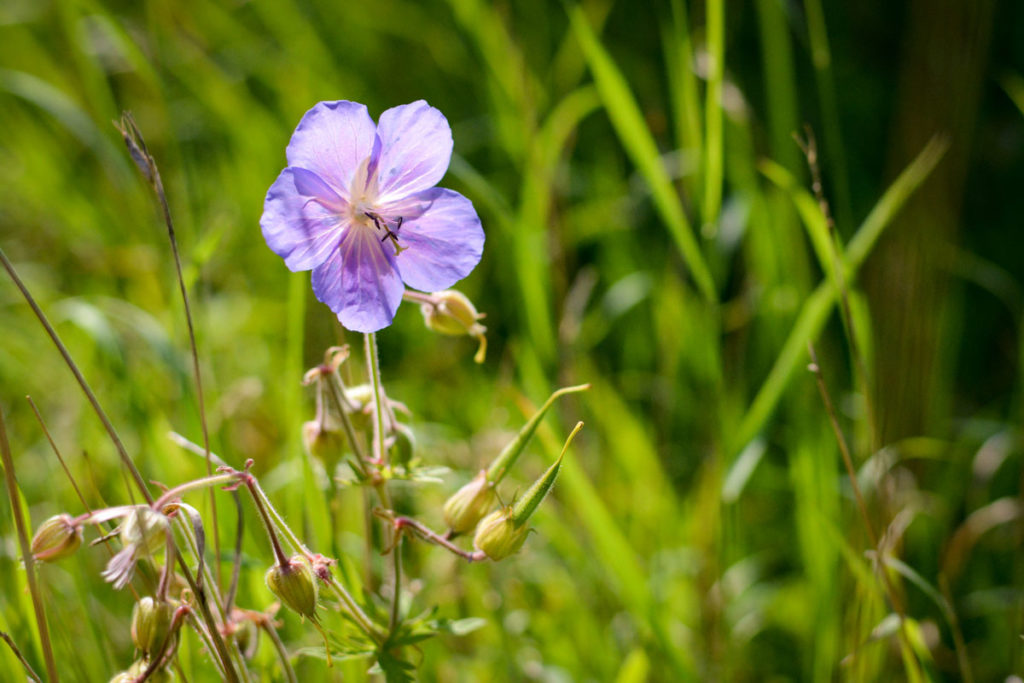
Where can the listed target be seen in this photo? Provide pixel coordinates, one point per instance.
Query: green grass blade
(817, 307)
(639, 144)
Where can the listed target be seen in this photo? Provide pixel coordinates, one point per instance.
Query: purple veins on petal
(357, 206)
(331, 140)
(359, 282)
(443, 244)
(299, 226)
(416, 148)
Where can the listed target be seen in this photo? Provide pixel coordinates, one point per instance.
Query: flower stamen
(382, 225)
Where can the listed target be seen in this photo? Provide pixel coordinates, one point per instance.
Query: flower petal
(331, 140)
(443, 244)
(301, 219)
(416, 148)
(359, 281)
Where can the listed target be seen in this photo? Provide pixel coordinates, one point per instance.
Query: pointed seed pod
(503, 532)
(146, 529)
(56, 539)
(295, 586)
(151, 625)
(469, 504)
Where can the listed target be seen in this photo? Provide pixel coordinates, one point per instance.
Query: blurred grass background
(650, 230)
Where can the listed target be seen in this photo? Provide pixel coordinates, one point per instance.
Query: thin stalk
(430, 536)
(86, 389)
(844, 450)
(373, 364)
(26, 554)
(212, 590)
(205, 482)
(147, 164)
(56, 451)
(346, 423)
(396, 555)
(356, 612)
(809, 147)
(29, 671)
(282, 558)
(713, 163)
(282, 653)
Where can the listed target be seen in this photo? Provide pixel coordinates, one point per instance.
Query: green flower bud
(469, 504)
(498, 536)
(151, 624)
(145, 529)
(453, 313)
(323, 443)
(295, 586)
(56, 539)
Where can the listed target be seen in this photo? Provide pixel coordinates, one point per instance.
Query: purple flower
(357, 206)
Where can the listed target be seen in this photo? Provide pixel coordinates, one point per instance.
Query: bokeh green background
(643, 212)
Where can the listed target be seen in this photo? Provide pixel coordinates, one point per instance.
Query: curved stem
(182, 489)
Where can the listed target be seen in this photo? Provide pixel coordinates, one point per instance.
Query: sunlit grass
(651, 230)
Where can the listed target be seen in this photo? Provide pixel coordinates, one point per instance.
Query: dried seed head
(468, 505)
(294, 584)
(151, 625)
(56, 539)
(498, 536)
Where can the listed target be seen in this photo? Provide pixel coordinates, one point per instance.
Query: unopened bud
(56, 539)
(453, 313)
(469, 504)
(295, 586)
(146, 529)
(498, 536)
(323, 443)
(151, 626)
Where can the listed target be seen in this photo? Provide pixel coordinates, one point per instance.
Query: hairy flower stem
(282, 558)
(402, 523)
(373, 365)
(26, 554)
(129, 465)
